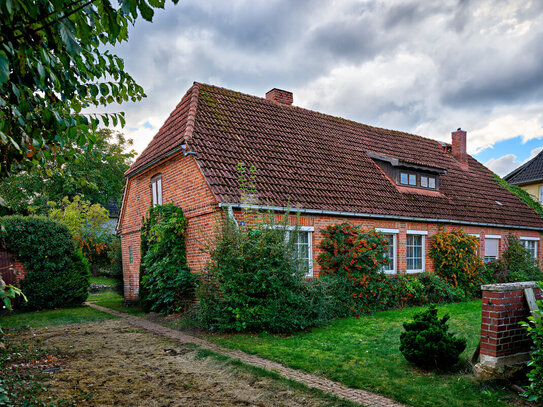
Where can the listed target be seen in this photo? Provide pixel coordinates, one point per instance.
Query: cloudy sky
(424, 67)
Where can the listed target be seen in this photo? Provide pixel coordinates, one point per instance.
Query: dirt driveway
(113, 363)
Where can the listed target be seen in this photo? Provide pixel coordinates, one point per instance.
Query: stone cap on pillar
(509, 286)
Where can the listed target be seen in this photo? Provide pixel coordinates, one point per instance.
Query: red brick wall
(319, 222)
(184, 185)
(504, 306)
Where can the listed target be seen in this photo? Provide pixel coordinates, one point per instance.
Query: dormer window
(417, 180)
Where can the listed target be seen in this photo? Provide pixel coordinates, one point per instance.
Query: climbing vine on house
(166, 283)
(456, 259)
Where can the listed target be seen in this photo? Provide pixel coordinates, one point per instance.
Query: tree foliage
(55, 61)
(97, 176)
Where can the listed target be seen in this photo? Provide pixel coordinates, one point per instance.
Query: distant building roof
(527, 173)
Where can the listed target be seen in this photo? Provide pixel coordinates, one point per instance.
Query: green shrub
(58, 275)
(427, 343)
(456, 259)
(534, 329)
(166, 283)
(254, 284)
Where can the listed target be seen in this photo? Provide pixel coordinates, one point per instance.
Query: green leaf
(4, 67)
(146, 11)
(67, 34)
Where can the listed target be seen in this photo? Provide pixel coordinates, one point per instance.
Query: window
(390, 236)
(530, 243)
(130, 255)
(415, 251)
(156, 188)
(303, 248)
(492, 247)
(424, 181)
(540, 194)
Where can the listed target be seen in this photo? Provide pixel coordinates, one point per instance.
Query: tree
(98, 176)
(55, 61)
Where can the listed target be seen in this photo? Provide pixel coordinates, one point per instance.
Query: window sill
(414, 271)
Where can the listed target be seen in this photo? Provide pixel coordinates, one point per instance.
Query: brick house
(332, 169)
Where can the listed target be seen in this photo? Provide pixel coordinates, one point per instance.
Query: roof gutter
(373, 216)
(525, 182)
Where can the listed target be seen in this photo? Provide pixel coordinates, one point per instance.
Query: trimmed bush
(427, 343)
(456, 259)
(166, 283)
(58, 274)
(534, 329)
(254, 284)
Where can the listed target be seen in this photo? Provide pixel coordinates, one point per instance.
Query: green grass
(364, 353)
(114, 301)
(53, 317)
(103, 280)
(105, 296)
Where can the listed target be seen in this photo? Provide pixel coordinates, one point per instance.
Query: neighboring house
(529, 176)
(332, 169)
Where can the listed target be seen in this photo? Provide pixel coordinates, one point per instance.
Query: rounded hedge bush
(58, 274)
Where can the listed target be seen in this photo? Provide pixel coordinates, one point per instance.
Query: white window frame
(524, 239)
(492, 237)
(422, 234)
(394, 233)
(156, 189)
(310, 230)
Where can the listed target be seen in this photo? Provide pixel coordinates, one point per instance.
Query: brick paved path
(362, 397)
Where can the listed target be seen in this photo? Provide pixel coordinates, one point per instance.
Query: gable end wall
(183, 184)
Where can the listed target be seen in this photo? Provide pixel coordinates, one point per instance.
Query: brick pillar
(504, 343)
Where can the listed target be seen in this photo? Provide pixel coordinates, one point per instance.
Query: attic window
(417, 180)
(408, 173)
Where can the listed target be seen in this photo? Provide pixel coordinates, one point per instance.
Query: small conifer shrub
(427, 343)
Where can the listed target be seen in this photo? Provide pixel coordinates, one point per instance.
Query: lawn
(114, 301)
(103, 280)
(62, 316)
(363, 353)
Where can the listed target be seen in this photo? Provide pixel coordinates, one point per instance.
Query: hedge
(58, 274)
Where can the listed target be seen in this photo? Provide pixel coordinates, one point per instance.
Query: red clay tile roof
(316, 161)
(532, 171)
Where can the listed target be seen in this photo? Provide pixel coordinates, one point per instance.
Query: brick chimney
(459, 146)
(282, 97)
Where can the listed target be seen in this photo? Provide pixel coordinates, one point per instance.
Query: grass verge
(364, 353)
(103, 280)
(61, 316)
(115, 302)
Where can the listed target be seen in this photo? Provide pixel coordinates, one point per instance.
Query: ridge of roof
(324, 115)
